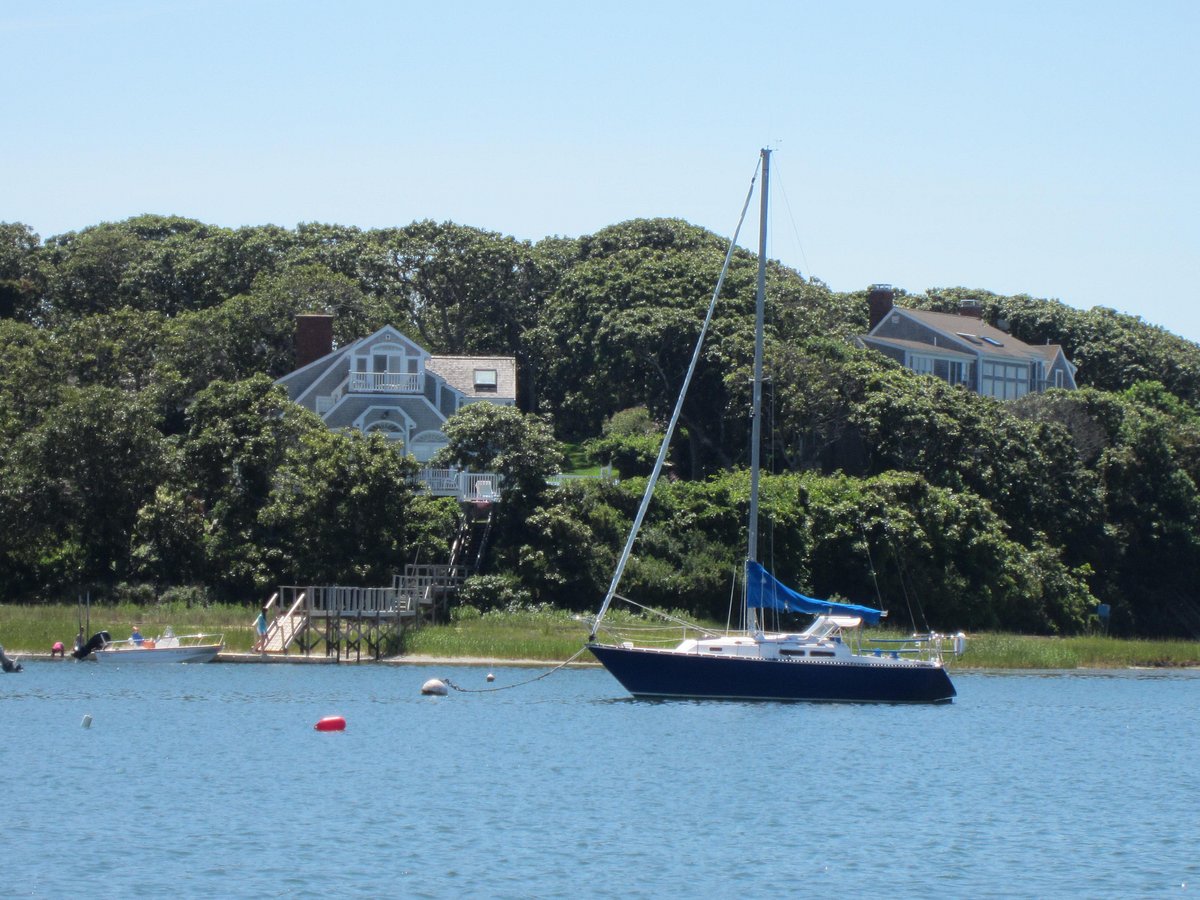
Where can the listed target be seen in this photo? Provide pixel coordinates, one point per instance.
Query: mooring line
(505, 687)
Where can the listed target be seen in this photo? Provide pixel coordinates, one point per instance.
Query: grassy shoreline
(553, 636)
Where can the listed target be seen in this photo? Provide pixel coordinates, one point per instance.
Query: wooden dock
(356, 622)
(350, 622)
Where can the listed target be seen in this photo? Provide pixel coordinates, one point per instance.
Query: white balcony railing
(463, 485)
(486, 485)
(388, 382)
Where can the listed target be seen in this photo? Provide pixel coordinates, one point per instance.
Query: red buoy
(331, 723)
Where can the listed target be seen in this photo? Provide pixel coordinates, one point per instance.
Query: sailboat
(825, 661)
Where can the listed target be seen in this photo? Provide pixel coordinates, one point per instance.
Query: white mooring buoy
(87, 721)
(491, 677)
(434, 686)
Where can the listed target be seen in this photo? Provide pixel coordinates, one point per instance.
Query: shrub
(488, 592)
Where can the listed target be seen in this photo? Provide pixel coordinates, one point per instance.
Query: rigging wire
(792, 220)
(871, 563)
(770, 385)
(662, 452)
(906, 578)
(732, 597)
(661, 614)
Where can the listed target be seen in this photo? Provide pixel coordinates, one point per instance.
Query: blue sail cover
(765, 592)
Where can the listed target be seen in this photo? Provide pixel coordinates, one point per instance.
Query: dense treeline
(144, 449)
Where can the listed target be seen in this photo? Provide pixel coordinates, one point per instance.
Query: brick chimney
(880, 301)
(314, 337)
(970, 308)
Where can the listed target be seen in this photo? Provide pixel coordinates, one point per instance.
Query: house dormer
(389, 364)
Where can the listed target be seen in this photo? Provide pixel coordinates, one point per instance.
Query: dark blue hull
(650, 673)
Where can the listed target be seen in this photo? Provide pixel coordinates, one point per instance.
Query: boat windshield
(830, 626)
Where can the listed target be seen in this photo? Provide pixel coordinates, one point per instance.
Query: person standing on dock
(260, 626)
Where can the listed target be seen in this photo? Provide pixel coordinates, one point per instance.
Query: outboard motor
(7, 663)
(99, 639)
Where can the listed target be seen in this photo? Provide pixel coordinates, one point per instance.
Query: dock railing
(321, 601)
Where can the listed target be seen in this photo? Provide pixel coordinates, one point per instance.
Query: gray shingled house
(387, 383)
(963, 349)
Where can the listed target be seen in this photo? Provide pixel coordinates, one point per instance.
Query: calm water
(210, 780)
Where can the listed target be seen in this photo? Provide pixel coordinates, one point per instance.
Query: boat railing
(648, 628)
(931, 646)
(167, 640)
(189, 640)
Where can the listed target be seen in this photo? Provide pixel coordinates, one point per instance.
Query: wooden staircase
(474, 532)
(282, 628)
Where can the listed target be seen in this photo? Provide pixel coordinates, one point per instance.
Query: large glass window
(950, 370)
(1004, 381)
(922, 365)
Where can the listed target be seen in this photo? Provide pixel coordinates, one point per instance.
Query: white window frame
(920, 363)
(486, 381)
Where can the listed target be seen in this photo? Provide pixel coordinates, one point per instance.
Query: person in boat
(136, 637)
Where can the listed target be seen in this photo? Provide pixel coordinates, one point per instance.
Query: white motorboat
(167, 648)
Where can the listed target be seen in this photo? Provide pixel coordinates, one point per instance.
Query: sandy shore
(410, 660)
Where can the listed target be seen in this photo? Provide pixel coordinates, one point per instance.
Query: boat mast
(752, 624)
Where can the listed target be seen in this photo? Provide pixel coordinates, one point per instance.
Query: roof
(1050, 353)
(918, 347)
(459, 373)
(990, 340)
(416, 408)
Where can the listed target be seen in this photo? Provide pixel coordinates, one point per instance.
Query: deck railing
(388, 382)
(486, 486)
(424, 585)
(463, 485)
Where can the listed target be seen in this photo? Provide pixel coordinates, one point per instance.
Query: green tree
(620, 329)
(20, 281)
(168, 538)
(520, 447)
(30, 379)
(630, 441)
(461, 290)
(73, 487)
(339, 509)
(239, 436)
(118, 349)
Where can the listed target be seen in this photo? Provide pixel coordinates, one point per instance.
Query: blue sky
(1041, 147)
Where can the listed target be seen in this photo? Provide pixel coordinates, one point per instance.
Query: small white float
(435, 687)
